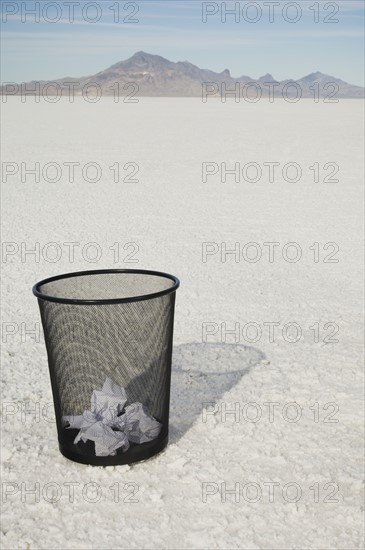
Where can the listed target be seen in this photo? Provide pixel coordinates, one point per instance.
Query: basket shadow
(202, 373)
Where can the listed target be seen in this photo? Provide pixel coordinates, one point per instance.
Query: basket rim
(76, 301)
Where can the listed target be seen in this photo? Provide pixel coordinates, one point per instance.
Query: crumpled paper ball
(108, 426)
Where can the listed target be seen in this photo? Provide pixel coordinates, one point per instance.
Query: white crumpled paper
(107, 427)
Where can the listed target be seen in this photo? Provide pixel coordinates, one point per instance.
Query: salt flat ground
(311, 450)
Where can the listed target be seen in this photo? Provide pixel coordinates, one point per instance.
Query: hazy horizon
(192, 62)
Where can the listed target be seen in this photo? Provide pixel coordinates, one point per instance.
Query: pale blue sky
(175, 30)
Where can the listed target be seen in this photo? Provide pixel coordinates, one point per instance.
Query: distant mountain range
(149, 75)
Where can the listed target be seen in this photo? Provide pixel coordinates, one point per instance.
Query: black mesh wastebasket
(108, 336)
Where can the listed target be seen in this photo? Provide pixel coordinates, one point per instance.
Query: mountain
(157, 76)
(144, 74)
